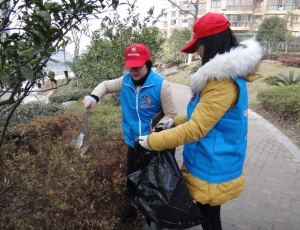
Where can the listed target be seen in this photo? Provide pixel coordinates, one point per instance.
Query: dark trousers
(129, 210)
(130, 169)
(213, 214)
(130, 160)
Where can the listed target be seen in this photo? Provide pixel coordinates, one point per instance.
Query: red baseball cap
(136, 55)
(209, 24)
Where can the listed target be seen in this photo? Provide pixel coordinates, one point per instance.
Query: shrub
(289, 61)
(69, 92)
(27, 112)
(106, 118)
(284, 101)
(69, 95)
(272, 56)
(45, 184)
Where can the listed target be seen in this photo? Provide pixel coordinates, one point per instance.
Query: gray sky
(143, 7)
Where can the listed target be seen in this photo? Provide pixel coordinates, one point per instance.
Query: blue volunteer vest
(139, 107)
(219, 156)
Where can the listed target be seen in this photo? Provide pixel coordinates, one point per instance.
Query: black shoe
(128, 212)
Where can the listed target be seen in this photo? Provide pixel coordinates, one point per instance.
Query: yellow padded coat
(219, 92)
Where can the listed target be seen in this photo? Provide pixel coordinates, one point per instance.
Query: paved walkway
(271, 198)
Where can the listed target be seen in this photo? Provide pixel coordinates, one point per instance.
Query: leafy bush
(285, 101)
(69, 93)
(271, 56)
(45, 184)
(289, 61)
(27, 112)
(107, 118)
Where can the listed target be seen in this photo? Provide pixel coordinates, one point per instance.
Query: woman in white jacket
(143, 93)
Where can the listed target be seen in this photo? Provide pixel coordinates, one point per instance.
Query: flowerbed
(289, 61)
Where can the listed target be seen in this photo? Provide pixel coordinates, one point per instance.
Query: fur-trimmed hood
(240, 61)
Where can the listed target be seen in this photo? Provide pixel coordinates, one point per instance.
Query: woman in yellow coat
(214, 130)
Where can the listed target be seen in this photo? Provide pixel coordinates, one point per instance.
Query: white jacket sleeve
(111, 86)
(167, 102)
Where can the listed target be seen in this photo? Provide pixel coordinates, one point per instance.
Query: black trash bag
(160, 192)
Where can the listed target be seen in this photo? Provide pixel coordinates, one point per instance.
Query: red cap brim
(190, 47)
(135, 63)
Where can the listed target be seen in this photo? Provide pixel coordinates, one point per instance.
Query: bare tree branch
(195, 4)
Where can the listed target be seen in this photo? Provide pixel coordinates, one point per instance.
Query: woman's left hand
(143, 142)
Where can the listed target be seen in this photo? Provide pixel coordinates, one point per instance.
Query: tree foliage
(191, 7)
(31, 31)
(104, 58)
(173, 45)
(271, 30)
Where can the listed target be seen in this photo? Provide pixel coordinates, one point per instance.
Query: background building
(2, 15)
(243, 15)
(61, 65)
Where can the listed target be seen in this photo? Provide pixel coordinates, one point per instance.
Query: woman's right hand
(89, 102)
(165, 124)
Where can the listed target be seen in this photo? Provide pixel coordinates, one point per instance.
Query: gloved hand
(143, 142)
(89, 102)
(165, 124)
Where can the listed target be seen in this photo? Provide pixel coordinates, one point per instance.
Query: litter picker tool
(79, 143)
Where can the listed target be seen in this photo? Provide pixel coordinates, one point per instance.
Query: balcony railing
(239, 24)
(279, 7)
(239, 8)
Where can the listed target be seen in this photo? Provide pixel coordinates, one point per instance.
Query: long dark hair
(149, 64)
(216, 44)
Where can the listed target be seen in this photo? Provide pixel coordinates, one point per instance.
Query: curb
(293, 149)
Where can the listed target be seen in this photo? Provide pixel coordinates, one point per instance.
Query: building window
(257, 19)
(295, 33)
(183, 22)
(183, 14)
(173, 22)
(238, 20)
(201, 8)
(173, 14)
(182, 3)
(274, 5)
(215, 5)
(239, 5)
(163, 24)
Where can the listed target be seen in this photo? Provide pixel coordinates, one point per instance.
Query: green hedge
(285, 101)
(27, 112)
(69, 92)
